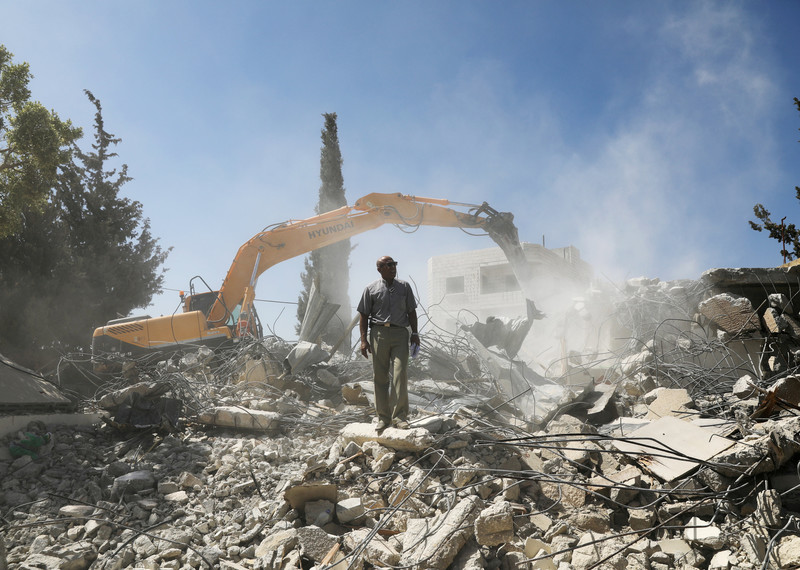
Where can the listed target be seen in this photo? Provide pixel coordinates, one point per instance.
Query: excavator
(216, 318)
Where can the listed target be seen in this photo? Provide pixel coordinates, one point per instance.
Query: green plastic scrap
(29, 444)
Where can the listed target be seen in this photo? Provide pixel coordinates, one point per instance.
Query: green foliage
(34, 142)
(83, 258)
(787, 234)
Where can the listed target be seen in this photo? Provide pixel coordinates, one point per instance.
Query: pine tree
(85, 257)
(329, 265)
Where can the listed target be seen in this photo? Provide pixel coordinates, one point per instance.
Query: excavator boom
(212, 322)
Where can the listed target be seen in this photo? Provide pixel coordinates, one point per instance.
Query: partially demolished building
(660, 431)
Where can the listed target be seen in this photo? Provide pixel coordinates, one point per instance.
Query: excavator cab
(199, 301)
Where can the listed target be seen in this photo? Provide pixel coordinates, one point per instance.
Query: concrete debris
(24, 391)
(733, 314)
(673, 448)
(240, 417)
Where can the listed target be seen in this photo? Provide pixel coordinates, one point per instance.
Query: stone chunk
(315, 543)
(733, 314)
(572, 495)
(781, 302)
(132, 482)
(788, 552)
(774, 322)
(285, 538)
(495, 524)
(319, 513)
(703, 533)
(377, 552)
(745, 387)
(349, 510)
(413, 440)
(76, 511)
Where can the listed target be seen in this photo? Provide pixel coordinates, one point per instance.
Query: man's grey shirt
(383, 303)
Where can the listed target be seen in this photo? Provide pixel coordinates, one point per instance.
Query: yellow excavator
(214, 318)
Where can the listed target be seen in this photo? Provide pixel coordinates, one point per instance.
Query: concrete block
(787, 389)
(588, 551)
(593, 519)
(667, 436)
(535, 548)
(787, 554)
(721, 560)
(641, 519)
(495, 524)
(76, 511)
(793, 325)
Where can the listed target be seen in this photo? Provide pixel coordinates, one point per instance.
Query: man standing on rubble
(387, 309)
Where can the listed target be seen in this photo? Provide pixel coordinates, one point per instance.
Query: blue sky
(642, 133)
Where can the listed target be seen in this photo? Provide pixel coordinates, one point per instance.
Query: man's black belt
(386, 325)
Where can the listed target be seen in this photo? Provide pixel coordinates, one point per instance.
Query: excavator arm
(297, 237)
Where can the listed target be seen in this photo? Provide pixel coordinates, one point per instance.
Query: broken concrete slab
(24, 391)
(670, 448)
(445, 536)
(731, 313)
(760, 452)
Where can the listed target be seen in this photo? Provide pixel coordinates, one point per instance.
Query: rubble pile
(676, 450)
